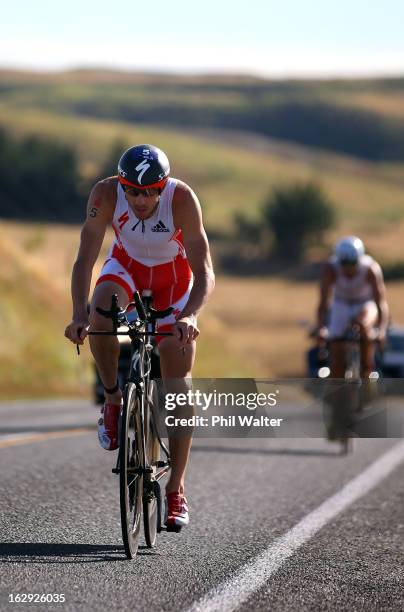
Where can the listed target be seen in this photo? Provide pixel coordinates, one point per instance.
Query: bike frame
(353, 340)
(139, 375)
(141, 331)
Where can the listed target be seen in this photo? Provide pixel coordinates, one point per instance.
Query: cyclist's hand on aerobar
(77, 330)
(186, 330)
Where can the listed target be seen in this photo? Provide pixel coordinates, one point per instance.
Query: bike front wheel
(152, 494)
(130, 471)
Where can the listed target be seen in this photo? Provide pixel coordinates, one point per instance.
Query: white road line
(252, 576)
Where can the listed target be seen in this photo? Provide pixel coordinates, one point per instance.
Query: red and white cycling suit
(149, 254)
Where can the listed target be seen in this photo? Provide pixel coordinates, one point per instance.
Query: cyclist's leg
(340, 317)
(340, 398)
(367, 319)
(176, 363)
(337, 357)
(105, 349)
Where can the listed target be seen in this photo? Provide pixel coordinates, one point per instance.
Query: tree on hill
(298, 217)
(39, 180)
(293, 218)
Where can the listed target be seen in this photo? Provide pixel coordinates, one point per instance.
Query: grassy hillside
(234, 171)
(361, 117)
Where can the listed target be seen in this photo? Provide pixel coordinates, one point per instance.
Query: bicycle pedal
(161, 464)
(115, 470)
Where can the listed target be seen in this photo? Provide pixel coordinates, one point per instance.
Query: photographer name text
(222, 421)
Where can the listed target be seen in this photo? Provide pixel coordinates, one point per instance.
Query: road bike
(139, 464)
(124, 361)
(349, 397)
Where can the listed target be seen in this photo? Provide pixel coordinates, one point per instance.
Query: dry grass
(259, 327)
(35, 359)
(51, 248)
(251, 327)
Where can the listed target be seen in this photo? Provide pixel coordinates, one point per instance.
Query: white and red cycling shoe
(176, 511)
(108, 426)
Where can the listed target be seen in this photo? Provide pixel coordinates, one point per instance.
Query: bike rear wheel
(130, 475)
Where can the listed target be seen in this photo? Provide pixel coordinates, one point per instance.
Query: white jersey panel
(357, 288)
(152, 241)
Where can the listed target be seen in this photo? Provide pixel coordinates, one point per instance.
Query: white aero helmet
(349, 250)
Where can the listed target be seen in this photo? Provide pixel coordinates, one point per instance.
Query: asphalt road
(273, 524)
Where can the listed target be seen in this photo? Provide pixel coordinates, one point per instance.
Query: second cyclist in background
(352, 289)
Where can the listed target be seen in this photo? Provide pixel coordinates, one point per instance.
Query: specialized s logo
(142, 167)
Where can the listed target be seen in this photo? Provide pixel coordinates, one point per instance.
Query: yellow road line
(39, 437)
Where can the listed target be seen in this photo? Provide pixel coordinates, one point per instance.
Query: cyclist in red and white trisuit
(160, 244)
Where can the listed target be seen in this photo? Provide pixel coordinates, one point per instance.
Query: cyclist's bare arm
(326, 285)
(375, 276)
(100, 209)
(188, 217)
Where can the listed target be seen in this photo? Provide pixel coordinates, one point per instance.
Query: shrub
(298, 216)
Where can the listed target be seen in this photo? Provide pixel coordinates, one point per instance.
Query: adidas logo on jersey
(160, 227)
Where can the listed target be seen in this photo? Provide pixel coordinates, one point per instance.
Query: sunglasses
(349, 262)
(134, 192)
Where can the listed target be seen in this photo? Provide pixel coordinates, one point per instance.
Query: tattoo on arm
(94, 209)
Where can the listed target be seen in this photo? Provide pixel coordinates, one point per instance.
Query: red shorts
(171, 283)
